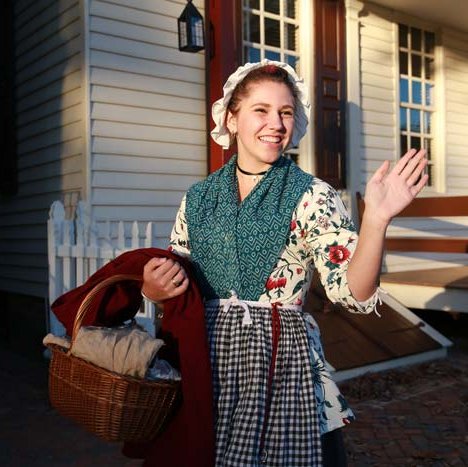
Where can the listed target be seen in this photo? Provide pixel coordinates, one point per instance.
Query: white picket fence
(77, 249)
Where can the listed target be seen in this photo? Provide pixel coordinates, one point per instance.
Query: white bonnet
(220, 133)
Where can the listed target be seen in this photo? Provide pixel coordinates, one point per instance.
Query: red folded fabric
(188, 439)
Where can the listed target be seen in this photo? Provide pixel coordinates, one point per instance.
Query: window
(416, 62)
(271, 30)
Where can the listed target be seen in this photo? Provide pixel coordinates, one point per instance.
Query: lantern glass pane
(197, 32)
(183, 40)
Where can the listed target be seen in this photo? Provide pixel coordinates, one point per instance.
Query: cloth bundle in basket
(112, 406)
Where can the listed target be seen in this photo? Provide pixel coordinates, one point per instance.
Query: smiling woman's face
(263, 124)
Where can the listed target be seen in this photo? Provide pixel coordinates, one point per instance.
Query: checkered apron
(265, 410)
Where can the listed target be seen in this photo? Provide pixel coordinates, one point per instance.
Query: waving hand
(389, 192)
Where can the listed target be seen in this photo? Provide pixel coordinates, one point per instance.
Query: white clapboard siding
(70, 148)
(50, 133)
(148, 114)
(169, 103)
(121, 163)
(54, 83)
(187, 81)
(168, 150)
(377, 93)
(455, 46)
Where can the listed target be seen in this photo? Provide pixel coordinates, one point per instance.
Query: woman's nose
(275, 121)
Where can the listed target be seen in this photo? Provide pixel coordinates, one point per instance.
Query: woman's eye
(260, 110)
(287, 113)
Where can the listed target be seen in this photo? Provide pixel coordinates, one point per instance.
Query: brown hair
(265, 73)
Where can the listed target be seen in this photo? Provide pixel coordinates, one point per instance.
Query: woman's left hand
(388, 193)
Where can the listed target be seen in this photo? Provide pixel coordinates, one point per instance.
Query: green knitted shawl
(235, 245)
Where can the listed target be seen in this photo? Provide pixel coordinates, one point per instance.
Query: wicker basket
(112, 406)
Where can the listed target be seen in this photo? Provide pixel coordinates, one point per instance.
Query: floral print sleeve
(321, 235)
(179, 243)
(332, 239)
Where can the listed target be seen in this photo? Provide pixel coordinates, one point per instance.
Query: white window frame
(438, 106)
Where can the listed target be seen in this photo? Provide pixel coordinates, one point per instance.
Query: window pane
(403, 35)
(415, 142)
(272, 6)
(290, 8)
(403, 63)
(427, 122)
(252, 54)
(429, 67)
(272, 32)
(428, 146)
(429, 94)
(292, 61)
(429, 41)
(403, 145)
(254, 28)
(430, 170)
(403, 119)
(415, 123)
(416, 92)
(415, 39)
(252, 3)
(272, 55)
(403, 90)
(416, 65)
(290, 34)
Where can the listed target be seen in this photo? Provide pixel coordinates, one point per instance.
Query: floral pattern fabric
(322, 236)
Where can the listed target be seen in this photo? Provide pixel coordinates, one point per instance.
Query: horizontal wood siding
(147, 112)
(456, 71)
(378, 93)
(50, 134)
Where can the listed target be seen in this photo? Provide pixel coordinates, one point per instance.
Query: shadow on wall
(50, 157)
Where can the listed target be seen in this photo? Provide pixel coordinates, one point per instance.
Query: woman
(255, 230)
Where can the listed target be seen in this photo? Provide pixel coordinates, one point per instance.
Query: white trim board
(414, 359)
(427, 297)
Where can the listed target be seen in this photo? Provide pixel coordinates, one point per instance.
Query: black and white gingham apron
(265, 410)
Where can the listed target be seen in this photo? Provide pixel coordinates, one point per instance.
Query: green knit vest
(235, 245)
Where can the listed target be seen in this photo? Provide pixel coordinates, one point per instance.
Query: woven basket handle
(85, 305)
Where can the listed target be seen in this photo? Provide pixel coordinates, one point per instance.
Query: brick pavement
(414, 417)
(417, 417)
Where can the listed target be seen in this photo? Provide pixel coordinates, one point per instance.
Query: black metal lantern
(191, 29)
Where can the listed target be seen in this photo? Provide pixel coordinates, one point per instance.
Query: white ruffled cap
(221, 134)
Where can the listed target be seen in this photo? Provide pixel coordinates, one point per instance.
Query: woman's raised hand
(163, 278)
(389, 192)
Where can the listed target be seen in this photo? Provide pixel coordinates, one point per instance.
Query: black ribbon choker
(250, 173)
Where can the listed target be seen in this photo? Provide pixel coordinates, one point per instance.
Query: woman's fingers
(412, 164)
(401, 164)
(163, 278)
(380, 173)
(178, 278)
(173, 273)
(420, 185)
(182, 287)
(417, 172)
